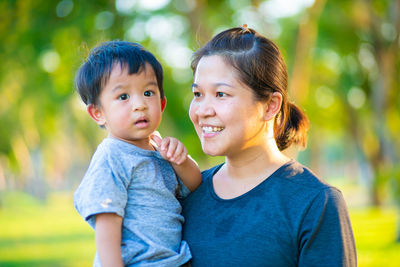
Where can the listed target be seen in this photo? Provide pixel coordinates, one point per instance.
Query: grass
(53, 234)
(375, 235)
(36, 234)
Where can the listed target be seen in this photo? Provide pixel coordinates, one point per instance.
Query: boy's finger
(181, 159)
(165, 143)
(171, 147)
(178, 150)
(183, 156)
(157, 141)
(177, 153)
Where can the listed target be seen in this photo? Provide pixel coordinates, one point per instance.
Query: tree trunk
(384, 92)
(308, 31)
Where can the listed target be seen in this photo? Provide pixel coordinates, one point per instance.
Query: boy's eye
(149, 93)
(123, 97)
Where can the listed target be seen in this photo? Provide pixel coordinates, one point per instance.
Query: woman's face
(227, 118)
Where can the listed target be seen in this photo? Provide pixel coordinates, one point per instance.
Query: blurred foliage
(342, 56)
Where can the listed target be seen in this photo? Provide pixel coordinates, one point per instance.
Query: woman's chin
(212, 151)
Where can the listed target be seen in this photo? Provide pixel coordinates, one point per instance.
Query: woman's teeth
(209, 129)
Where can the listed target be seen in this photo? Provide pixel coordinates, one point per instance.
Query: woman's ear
(96, 114)
(273, 106)
(163, 103)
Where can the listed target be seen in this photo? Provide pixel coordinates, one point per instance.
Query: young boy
(128, 194)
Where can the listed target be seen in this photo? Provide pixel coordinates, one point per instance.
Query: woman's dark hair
(94, 73)
(260, 66)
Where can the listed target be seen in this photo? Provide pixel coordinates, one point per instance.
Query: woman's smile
(210, 131)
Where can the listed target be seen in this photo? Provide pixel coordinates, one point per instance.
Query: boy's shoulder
(106, 150)
(116, 158)
(115, 151)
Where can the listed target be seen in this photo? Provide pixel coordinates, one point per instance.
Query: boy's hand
(175, 152)
(170, 148)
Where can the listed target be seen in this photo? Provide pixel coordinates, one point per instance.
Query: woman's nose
(205, 108)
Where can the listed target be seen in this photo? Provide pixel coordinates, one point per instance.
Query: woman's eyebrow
(194, 85)
(222, 84)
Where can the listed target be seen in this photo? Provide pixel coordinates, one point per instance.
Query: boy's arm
(186, 168)
(108, 239)
(189, 173)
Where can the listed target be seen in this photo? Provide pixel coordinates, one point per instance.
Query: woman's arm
(326, 236)
(108, 239)
(175, 152)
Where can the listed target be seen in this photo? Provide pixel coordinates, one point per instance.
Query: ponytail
(291, 127)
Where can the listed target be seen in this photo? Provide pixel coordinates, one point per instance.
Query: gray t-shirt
(140, 186)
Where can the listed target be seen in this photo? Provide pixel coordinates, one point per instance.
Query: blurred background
(344, 66)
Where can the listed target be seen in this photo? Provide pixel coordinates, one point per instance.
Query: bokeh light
(49, 61)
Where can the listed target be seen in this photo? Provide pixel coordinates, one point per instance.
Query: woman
(259, 208)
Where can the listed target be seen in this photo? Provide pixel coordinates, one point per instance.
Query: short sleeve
(183, 190)
(326, 237)
(102, 190)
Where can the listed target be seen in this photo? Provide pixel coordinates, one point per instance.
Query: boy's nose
(138, 104)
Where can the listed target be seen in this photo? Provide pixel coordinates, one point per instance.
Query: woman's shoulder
(297, 175)
(301, 187)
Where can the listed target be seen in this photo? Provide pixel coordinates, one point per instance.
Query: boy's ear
(96, 114)
(273, 106)
(163, 103)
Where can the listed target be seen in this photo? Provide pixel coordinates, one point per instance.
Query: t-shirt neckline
(267, 180)
(131, 148)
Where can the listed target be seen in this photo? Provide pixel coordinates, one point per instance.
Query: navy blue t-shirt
(290, 219)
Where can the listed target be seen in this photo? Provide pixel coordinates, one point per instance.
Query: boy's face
(130, 105)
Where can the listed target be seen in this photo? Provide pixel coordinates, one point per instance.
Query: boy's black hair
(93, 75)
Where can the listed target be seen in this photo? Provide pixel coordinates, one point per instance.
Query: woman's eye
(220, 94)
(149, 93)
(123, 97)
(196, 94)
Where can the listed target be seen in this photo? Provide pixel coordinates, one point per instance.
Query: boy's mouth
(142, 123)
